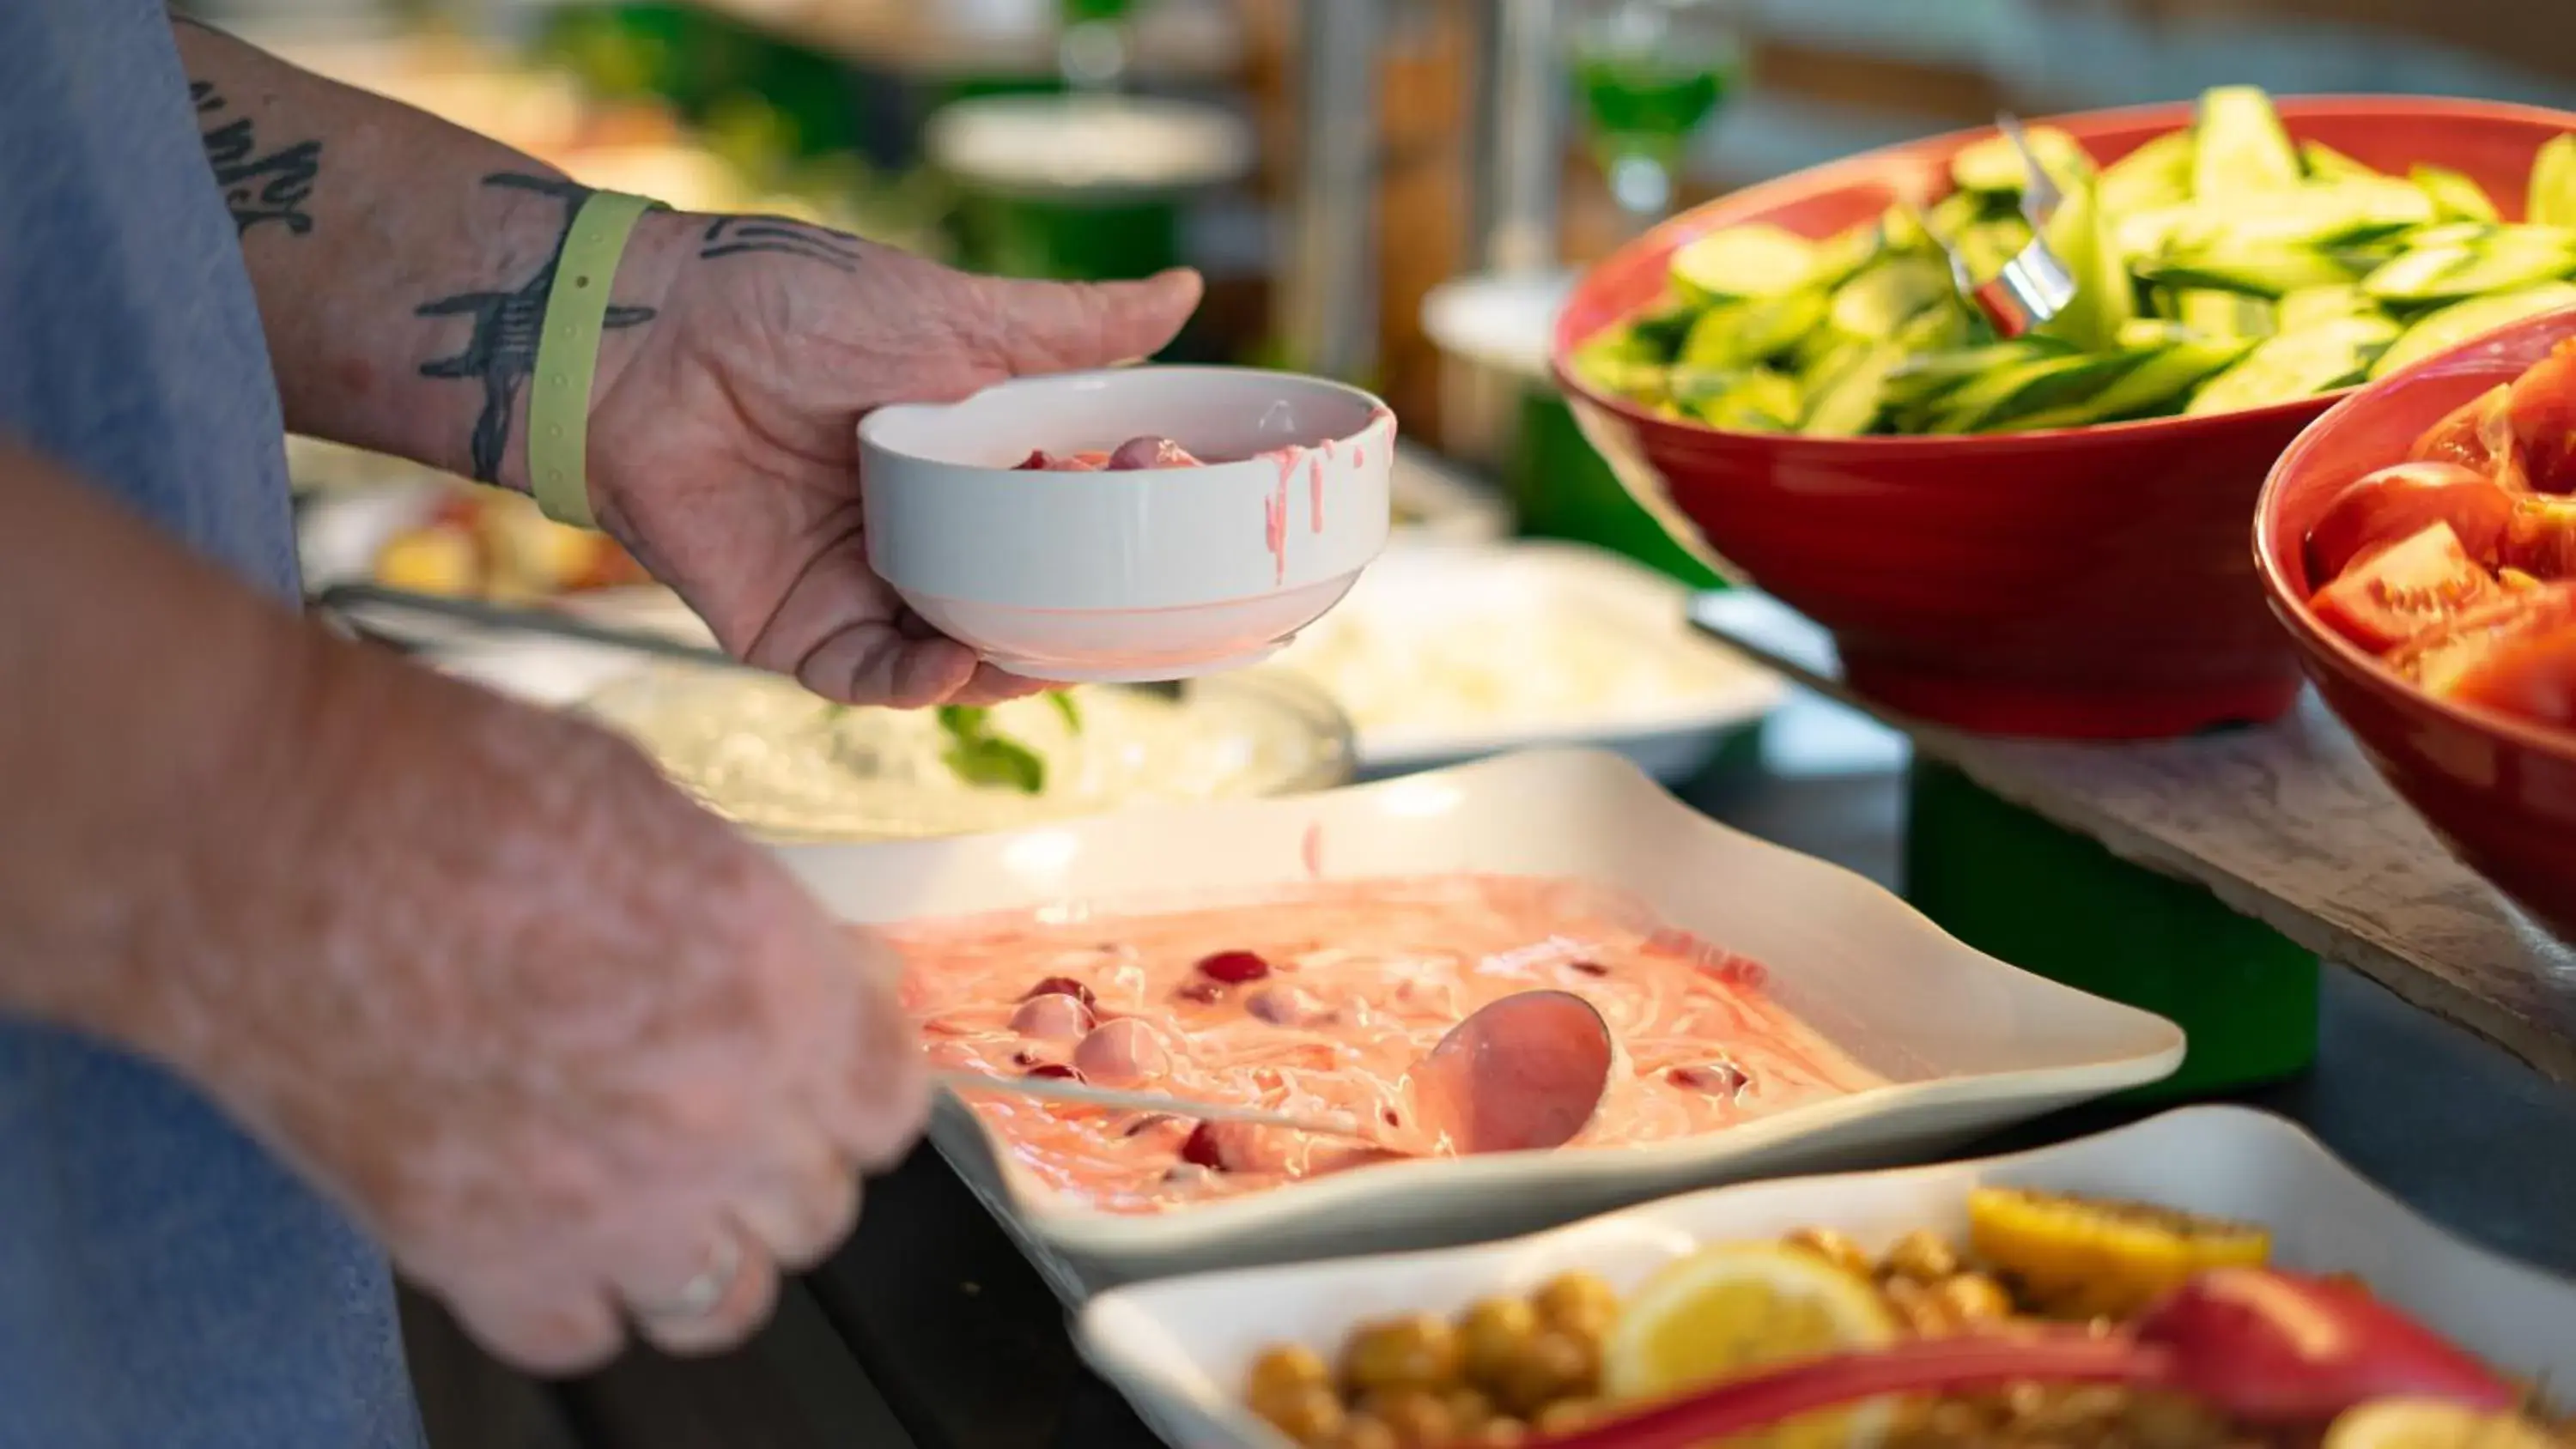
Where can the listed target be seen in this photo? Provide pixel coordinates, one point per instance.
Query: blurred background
(1385, 190)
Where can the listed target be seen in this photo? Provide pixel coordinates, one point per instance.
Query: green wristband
(568, 354)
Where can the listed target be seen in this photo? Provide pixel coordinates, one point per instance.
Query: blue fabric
(164, 1283)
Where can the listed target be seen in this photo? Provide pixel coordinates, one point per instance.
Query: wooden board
(2288, 824)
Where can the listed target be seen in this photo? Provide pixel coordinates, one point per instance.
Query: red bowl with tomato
(2078, 583)
(2433, 601)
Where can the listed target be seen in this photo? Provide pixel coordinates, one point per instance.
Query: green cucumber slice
(2223, 315)
(1756, 260)
(2454, 194)
(2445, 329)
(2261, 270)
(1998, 398)
(1749, 332)
(2552, 198)
(2156, 384)
(2242, 148)
(2296, 365)
(1993, 167)
(2156, 174)
(1883, 298)
(2450, 274)
(1848, 403)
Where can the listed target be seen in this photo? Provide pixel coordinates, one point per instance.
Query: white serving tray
(1481, 596)
(1969, 1042)
(1178, 1349)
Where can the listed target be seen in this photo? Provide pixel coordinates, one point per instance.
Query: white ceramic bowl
(1179, 1349)
(1161, 574)
(1966, 1042)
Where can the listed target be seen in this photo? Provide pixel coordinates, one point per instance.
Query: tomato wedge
(2540, 537)
(2531, 676)
(2397, 503)
(2543, 413)
(2446, 659)
(2477, 435)
(2404, 589)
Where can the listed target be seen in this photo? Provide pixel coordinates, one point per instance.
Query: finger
(887, 1102)
(989, 685)
(805, 1208)
(1034, 326)
(870, 662)
(750, 1292)
(570, 1330)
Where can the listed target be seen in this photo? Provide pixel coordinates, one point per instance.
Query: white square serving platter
(1178, 1349)
(1966, 1042)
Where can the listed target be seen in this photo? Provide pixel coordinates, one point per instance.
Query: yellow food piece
(1732, 1308)
(2432, 1424)
(431, 561)
(2085, 1257)
(531, 553)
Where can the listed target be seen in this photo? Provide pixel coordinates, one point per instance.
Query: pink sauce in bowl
(1134, 455)
(1317, 999)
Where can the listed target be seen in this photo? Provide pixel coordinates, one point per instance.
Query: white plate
(1178, 1349)
(1968, 1042)
(1663, 691)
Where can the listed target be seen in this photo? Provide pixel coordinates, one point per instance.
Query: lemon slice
(2433, 1424)
(2080, 1257)
(1735, 1307)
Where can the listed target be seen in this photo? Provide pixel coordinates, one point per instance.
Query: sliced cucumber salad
(2220, 267)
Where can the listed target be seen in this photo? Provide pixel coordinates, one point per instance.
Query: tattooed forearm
(257, 188)
(728, 236)
(500, 354)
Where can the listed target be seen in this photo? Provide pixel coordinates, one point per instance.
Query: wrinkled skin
(725, 454)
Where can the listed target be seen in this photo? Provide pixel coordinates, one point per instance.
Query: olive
(1418, 1351)
(1364, 1431)
(1282, 1372)
(1312, 1416)
(1973, 1298)
(1553, 1365)
(1565, 1416)
(1578, 1303)
(1922, 1255)
(1419, 1418)
(1492, 1333)
(1833, 1247)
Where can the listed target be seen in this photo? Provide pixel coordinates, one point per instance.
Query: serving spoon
(1522, 1073)
(2259, 1345)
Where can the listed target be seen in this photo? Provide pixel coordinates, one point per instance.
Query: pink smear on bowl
(1316, 999)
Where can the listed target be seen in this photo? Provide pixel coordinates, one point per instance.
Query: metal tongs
(2034, 285)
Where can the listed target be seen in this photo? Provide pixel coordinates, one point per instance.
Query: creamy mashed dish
(783, 762)
(1316, 1001)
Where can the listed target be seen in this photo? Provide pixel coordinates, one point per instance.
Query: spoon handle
(1917, 1366)
(1061, 1089)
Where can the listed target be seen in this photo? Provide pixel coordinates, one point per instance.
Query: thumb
(1061, 326)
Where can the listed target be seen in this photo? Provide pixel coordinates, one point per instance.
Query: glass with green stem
(1650, 74)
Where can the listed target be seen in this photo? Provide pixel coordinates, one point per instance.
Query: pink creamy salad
(1133, 455)
(1316, 1000)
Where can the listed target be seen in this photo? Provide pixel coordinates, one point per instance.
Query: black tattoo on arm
(728, 236)
(256, 188)
(501, 352)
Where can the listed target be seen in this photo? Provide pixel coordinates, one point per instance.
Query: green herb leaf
(994, 760)
(1064, 705)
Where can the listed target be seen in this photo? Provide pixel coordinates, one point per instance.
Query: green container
(1562, 488)
(2060, 905)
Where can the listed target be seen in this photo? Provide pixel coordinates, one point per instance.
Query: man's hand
(724, 448)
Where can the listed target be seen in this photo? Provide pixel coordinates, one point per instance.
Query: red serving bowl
(2500, 791)
(2083, 583)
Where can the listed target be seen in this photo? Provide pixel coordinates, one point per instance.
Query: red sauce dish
(2419, 544)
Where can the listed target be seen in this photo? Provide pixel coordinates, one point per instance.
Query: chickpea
(1578, 1303)
(1922, 1255)
(1419, 1418)
(1553, 1365)
(1365, 1431)
(1282, 1373)
(1491, 1334)
(1973, 1298)
(1566, 1415)
(1418, 1351)
(1468, 1408)
(1498, 1433)
(1833, 1247)
(1312, 1416)
(1923, 1314)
